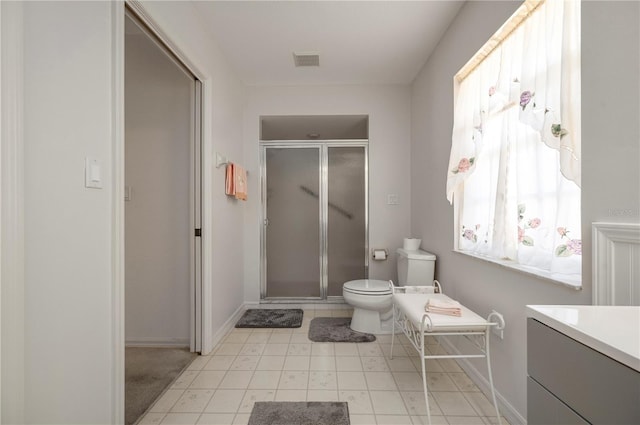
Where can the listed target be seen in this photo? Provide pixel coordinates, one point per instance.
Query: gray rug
(148, 371)
(271, 318)
(336, 329)
(299, 413)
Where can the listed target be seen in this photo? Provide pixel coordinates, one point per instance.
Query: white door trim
(615, 263)
(117, 214)
(12, 213)
(138, 7)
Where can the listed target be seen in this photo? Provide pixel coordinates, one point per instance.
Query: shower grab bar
(342, 211)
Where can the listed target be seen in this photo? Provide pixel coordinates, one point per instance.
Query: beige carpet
(148, 371)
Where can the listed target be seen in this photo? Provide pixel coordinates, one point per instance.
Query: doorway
(163, 331)
(162, 193)
(315, 226)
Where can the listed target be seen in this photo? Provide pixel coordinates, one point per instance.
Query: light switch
(392, 199)
(95, 173)
(92, 173)
(127, 193)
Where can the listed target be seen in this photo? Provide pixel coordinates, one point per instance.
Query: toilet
(371, 299)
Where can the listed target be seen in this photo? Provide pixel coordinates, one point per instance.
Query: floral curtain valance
(535, 70)
(514, 169)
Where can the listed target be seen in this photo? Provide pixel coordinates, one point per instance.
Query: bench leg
(393, 329)
(424, 378)
(493, 390)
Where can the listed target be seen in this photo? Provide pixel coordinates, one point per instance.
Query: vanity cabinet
(545, 408)
(572, 383)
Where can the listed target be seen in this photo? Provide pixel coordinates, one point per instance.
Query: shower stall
(315, 217)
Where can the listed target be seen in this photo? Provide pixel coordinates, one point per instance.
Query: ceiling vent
(306, 59)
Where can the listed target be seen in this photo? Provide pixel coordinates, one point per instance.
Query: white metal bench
(409, 315)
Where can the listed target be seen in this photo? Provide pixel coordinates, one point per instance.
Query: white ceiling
(359, 42)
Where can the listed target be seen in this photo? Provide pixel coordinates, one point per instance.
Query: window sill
(573, 282)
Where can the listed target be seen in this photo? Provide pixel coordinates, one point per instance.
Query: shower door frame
(323, 213)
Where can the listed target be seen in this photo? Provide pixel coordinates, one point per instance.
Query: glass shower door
(292, 224)
(346, 216)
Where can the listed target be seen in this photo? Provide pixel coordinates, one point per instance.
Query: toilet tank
(415, 267)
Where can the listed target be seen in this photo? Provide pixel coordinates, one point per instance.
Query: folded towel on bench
(439, 306)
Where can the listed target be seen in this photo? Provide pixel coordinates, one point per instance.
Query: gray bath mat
(271, 318)
(336, 329)
(299, 413)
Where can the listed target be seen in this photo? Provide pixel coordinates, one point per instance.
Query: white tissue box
(411, 244)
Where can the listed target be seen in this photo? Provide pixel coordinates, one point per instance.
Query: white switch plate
(92, 173)
(392, 199)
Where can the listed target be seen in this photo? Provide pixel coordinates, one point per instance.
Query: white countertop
(611, 330)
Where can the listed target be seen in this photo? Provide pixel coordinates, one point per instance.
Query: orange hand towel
(240, 182)
(448, 307)
(230, 181)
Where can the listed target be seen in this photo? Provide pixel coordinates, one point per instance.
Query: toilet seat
(367, 287)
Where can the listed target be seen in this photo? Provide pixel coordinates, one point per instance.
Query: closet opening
(163, 261)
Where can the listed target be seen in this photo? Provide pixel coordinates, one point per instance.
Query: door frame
(201, 321)
(12, 253)
(195, 194)
(323, 146)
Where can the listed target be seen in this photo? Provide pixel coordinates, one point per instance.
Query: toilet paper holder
(379, 254)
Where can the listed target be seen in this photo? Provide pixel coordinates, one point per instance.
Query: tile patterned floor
(284, 365)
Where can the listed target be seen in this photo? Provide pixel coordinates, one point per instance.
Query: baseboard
(156, 342)
(227, 326)
(506, 409)
(283, 303)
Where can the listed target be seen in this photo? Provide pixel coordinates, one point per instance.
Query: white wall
(159, 99)
(68, 295)
(68, 114)
(610, 149)
(389, 115)
(610, 89)
(222, 216)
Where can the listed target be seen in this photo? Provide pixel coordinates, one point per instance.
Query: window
(514, 169)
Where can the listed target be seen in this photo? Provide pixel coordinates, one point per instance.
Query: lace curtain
(514, 169)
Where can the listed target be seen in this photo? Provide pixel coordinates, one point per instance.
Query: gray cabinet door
(543, 408)
(600, 389)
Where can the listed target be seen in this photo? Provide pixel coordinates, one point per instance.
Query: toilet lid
(368, 286)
